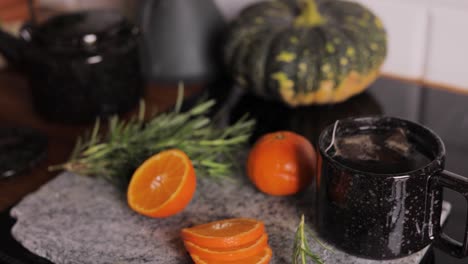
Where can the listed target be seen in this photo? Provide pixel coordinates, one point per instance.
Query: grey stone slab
(75, 219)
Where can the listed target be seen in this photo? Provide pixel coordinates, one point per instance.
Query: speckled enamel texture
(379, 216)
(305, 52)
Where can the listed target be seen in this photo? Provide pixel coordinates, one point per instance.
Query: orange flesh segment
(231, 254)
(153, 190)
(225, 233)
(224, 228)
(263, 258)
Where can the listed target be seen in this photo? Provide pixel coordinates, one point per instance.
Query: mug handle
(459, 184)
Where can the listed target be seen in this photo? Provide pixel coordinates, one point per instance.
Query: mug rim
(434, 163)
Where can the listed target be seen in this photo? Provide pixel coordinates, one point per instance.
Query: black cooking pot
(79, 65)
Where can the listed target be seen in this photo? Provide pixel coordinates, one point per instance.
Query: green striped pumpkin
(305, 52)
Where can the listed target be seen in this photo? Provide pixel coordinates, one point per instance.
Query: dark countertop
(444, 111)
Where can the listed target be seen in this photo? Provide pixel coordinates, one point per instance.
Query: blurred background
(426, 48)
(426, 40)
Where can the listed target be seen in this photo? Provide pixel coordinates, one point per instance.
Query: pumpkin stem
(310, 15)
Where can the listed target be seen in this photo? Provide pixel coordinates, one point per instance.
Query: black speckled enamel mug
(384, 215)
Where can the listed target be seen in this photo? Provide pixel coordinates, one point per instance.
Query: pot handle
(459, 184)
(11, 47)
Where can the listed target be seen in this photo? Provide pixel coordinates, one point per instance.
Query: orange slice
(231, 254)
(263, 258)
(163, 185)
(227, 233)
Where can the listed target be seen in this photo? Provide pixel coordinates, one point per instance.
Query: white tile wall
(442, 3)
(437, 45)
(406, 25)
(448, 47)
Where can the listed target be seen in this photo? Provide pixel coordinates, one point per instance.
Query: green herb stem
(301, 249)
(114, 154)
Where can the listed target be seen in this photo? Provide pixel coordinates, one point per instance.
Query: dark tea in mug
(379, 188)
(392, 150)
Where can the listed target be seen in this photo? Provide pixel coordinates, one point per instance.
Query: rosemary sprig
(301, 249)
(127, 144)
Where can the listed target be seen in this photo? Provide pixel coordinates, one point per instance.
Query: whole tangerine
(281, 163)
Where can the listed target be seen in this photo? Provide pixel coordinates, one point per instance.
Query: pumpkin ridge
(231, 48)
(268, 61)
(258, 61)
(364, 50)
(359, 65)
(280, 76)
(328, 66)
(315, 60)
(340, 59)
(303, 64)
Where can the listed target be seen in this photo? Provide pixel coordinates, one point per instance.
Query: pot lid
(85, 30)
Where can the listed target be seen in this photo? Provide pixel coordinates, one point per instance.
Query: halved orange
(163, 185)
(227, 233)
(263, 258)
(231, 254)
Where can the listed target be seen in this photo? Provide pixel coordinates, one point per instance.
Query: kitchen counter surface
(444, 111)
